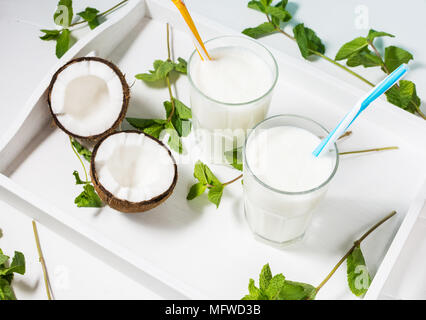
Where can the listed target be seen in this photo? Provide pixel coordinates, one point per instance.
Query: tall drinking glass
(221, 125)
(282, 216)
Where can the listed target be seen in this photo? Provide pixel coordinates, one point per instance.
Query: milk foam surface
(234, 75)
(281, 157)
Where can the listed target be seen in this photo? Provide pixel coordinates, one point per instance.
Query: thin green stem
(226, 183)
(377, 53)
(100, 14)
(356, 244)
(233, 180)
(319, 54)
(421, 114)
(369, 150)
(43, 263)
(79, 158)
(172, 100)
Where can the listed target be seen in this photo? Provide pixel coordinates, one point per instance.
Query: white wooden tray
(192, 248)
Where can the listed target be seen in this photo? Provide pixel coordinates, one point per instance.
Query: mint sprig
(63, 17)
(7, 273)
(207, 181)
(360, 51)
(88, 197)
(178, 116)
(279, 288)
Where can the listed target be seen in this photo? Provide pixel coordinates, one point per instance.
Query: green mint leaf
(91, 16)
(215, 194)
(254, 292)
(260, 31)
(211, 178)
(196, 190)
(64, 13)
(266, 2)
(358, 277)
(265, 277)
(5, 276)
(234, 158)
(199, 172)
(6, 292)
(17, 266)
(18, 263)
(153, 127)
(62, 43)
(257, 5)
(182, 110)
(168, 107)
(395, 56)
(154, 130)
(292, 290)
(181, 66)
(174, 141)
(49, 34)
(351, 48)
(404, 96)
(3, 259)
(277, 21)
(364, 58)
(278, 14)
(83, 151)
(88, 198)
(144, 123)
(182, 127)
(282, 4)
(307, 41)
(275, 286)
(160, 72)
(77, 178)
(372, 34)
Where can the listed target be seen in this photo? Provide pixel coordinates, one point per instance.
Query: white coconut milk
(231, 93)
(281, 180)
(234, 75)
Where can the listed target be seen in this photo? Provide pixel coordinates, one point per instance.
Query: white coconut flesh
(87, 97)
(134, 167)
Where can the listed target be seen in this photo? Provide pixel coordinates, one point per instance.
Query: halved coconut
(88, 97)
(132, 171)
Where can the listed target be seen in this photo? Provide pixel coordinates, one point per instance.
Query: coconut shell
(125, 104)
(125, 205)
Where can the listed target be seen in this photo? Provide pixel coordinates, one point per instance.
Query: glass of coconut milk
(283, 181)
(230, 93)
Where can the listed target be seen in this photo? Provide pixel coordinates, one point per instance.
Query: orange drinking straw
(187, 17)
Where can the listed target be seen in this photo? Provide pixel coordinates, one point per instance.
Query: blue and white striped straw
(360, 106)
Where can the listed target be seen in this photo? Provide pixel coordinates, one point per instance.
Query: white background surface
(24, 60)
